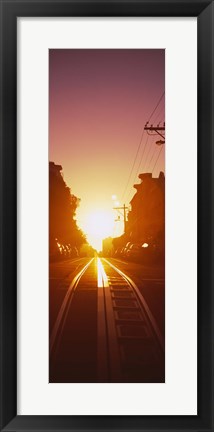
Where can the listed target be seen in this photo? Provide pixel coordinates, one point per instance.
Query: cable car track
(135, 347)
(58, 327)
(126, 344)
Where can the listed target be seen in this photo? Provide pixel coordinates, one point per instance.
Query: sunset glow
(100, 101)
(106, 215)
(97, 225)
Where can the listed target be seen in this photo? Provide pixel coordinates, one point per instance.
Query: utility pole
(160, 130)
(124, 208)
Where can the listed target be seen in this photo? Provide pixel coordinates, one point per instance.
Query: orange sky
(100, 101)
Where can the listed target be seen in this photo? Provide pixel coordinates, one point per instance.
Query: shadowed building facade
(146, 220)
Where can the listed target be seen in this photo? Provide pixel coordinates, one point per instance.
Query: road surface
(106, 321)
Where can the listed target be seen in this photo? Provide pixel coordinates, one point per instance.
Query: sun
(98, 225)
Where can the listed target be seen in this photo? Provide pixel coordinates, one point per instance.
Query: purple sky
(100, 101)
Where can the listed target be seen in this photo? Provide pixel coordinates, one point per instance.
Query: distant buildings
(146, 219)
(107, 248)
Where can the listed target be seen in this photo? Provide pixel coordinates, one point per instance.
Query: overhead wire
(150, 147)
(156, 106)
(159, 115)
(142, 156)
(157, 158)
(138, 149)
(151, 158)
(135, 159)
(154, 166)
(138, 167)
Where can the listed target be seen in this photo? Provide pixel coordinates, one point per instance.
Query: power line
(150, 147)
(157, 158)
(156, 106)
(136, 173)
(158, 114)
(151, 170)
(124, 208)
(124, 192)
(137, 170)
(151, 158)
(160, 130)
(138, 149)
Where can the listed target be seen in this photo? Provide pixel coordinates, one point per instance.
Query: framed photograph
(106, 215)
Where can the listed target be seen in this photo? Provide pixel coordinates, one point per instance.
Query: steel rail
(61, 317)
(145, 306)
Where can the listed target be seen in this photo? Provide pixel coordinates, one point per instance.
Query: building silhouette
(146, 220)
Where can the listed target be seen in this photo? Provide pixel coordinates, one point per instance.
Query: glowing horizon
(99, 224)
(99, 102)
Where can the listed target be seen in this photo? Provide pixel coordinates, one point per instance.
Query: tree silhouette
(62, 210)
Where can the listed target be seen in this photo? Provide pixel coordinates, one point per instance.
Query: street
(106, 321)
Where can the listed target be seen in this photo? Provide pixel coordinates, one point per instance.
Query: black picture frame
(10, 11)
